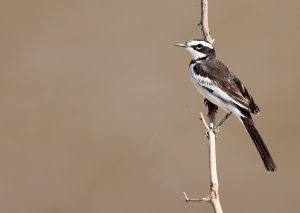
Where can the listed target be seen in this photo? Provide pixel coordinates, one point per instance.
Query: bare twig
(204, 122)
(187, 199)
(204, 21)
(214, 183)
(212, 109)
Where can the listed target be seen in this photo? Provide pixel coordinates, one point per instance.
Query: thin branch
(214, 183)
(204, 122)
(204, 21)
(212, 109)
(187, 199)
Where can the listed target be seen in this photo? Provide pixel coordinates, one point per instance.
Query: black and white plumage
(216, 83)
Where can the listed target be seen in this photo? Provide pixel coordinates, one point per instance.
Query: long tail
(259, 143)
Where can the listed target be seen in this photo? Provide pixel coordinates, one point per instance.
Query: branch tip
(187, 199)
(203, 121)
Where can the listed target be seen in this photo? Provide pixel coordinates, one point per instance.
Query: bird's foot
(218, 127)
(215, 131)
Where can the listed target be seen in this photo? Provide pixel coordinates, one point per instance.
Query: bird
(216, 83)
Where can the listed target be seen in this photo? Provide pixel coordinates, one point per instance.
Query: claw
(206, 102)
(207, 134)
(216, 131)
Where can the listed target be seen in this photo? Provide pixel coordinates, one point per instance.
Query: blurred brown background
(98, 113)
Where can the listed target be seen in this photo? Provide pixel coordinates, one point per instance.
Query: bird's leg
(212, 111)
(207, 102)
(222, 121)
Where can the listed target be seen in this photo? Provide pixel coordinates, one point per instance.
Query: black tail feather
(259, 143)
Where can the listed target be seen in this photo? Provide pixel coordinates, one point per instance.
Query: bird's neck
(202, 59)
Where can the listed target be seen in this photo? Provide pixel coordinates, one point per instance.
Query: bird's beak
(180, 45)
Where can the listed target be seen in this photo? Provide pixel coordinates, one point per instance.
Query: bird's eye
(199, 46)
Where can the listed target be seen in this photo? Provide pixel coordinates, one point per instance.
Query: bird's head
(200, 49)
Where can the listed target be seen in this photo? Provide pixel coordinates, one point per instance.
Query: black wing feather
(227, 81)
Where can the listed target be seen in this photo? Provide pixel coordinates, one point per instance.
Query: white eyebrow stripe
(193, 43)
(206, 44)
(203, 43)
